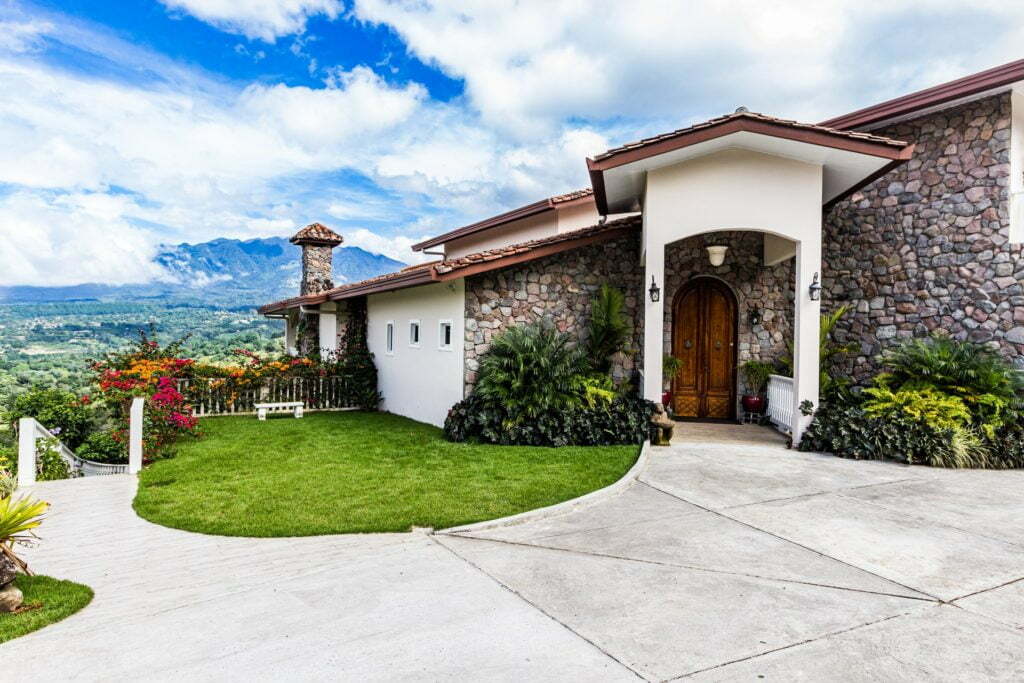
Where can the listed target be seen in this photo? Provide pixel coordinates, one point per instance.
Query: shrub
(50, 464)
(18, 517)
(533, 371)
(846, 430)
(8, 483)
(625, 420)
(55, 409)
(990, 388)
(609, 327)
(829, 387)
(925, 404)
(105, 447)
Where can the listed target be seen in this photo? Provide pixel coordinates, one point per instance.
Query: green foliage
(533, 370)
(757, 373)
(57, 410)
(18, 517)
(990, 388)
(670, 367)
(609, 328)
(50, 465)
(357, 362)
(598, 390)
(105, 447)
(828, 350)
(927, 405)
(625, 420)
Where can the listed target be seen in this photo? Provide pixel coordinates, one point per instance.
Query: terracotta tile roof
(753, 116)
(490, 259)
(316, 233)
(567, 238)
(533, 209)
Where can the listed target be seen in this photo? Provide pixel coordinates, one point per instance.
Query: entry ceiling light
(716, 254)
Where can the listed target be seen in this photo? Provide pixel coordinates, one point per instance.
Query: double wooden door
(704, 338)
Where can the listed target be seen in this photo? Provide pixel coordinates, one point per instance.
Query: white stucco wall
(737, 189)
(421, 382)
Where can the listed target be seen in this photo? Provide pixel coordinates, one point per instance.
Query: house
(728, 238)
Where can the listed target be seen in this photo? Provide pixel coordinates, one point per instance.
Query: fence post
(26, 451)
(135, 436)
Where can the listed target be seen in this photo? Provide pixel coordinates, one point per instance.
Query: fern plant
(609, 327)
(531, 370)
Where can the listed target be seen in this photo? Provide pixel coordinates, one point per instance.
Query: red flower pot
(666, 399)
(753, 404)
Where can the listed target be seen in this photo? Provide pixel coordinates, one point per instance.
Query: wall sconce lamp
(754, 317)
(655, 292)
(716, 254)
(815, 289)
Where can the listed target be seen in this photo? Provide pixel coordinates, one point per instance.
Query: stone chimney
(317, 242)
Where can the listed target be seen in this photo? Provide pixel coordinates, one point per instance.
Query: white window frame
(419, 334)
(440, 335)
(389, 338)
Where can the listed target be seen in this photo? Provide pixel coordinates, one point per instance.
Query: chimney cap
(317, 234)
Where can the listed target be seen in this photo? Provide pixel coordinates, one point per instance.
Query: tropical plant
(533, 370)
(8, 483)
(990, 388)
(598, 390)
(105, 446)
(670, 367)
(828, 350)
(756, 373)
(924, 404)
(18, 517)
(50, 464)
(609, 327)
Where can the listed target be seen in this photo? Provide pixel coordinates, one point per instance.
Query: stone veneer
(559, 287)
(926, 247)
(769, 290)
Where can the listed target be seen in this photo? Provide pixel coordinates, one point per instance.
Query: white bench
(295, 406)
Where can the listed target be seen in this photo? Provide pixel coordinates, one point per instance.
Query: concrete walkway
(731, 558)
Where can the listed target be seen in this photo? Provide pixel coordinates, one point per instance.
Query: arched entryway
(704, 323)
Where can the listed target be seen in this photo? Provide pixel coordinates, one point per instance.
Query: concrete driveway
(731, 558)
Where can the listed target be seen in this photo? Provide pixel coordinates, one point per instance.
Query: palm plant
(18, 517)
(531, 370)
(828, 349)
(609, 327)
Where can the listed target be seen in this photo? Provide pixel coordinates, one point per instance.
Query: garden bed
(47, 601)
(355, 472)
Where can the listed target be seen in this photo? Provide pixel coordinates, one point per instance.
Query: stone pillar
(806, 326)
(317, 242)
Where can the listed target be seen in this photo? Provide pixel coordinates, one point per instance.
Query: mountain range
(223, 272)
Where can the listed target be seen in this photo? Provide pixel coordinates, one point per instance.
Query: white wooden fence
(780, 401)
(224, 397)
(30, 432)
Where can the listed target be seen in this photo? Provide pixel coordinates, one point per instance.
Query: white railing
(30, 431)
(780, 401)
(222, 397)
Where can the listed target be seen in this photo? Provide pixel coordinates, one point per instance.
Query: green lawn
(347, 472)
(56, 600)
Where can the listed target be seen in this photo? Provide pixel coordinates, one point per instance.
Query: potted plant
(670, 368)
(756, 373)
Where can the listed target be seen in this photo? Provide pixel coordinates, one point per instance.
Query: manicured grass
(332, 473)
(57, 600)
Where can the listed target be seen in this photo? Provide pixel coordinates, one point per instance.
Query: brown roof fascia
(285, 304)
(406, 279)
(507, 217)
(597, 182)
(834, 139)
(974, 84)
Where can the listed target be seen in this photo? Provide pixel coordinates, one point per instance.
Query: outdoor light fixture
(755, 317)
(815, 289)
(655, 292)
(716, 254)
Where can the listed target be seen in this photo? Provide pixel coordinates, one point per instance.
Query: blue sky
(134, 123)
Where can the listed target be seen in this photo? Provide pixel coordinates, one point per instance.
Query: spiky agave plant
(531, 370)
(18, 517)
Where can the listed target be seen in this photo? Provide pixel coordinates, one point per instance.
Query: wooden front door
(704, 338)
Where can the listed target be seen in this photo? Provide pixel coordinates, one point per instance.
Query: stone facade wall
(768, 290)
(926, 247)
(559, 287)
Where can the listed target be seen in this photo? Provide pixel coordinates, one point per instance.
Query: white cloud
(398, 248)
(265, 20)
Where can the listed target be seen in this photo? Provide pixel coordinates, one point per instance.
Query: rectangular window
(414, 333)
(444, 335)
(390, 348)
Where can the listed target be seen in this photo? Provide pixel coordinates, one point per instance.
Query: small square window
(444, 335)
(390, 348)
(414, 333)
